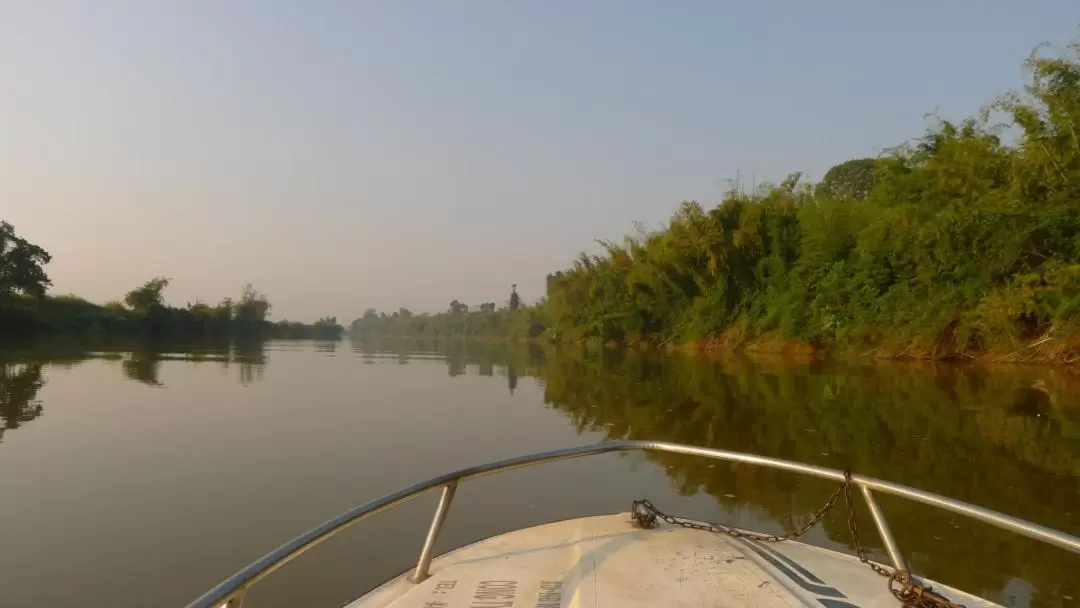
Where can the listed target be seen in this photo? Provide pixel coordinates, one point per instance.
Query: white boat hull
(607, 561)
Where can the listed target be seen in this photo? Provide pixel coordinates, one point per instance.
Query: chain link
(717, 528)
(859, 550)
(910, 592)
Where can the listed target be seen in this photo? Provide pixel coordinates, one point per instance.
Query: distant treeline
(25, 308)
(514, 321)
(965, 242)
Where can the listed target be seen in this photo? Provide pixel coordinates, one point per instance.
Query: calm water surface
(142, 477)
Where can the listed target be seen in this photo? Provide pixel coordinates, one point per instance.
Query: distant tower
(515, 299)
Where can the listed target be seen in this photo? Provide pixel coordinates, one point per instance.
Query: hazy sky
(341, 155)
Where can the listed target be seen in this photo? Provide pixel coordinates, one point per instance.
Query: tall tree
(148, 299)
(515, 299)
(252, 309)
(850, 180)
(21, 265)
(327, 328)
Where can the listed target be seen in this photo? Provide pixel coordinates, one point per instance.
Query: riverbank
(1048, 349)
(29, 317)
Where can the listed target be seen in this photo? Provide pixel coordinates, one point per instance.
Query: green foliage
(145, 313)
(252, 309)
(148, 300)
(954, 244)
(21, 265)
(850, 180)
(328, 328)
(24, 307)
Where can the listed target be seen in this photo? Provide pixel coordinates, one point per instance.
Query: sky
(346, 155)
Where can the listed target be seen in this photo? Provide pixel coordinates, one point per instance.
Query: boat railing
(230, 592)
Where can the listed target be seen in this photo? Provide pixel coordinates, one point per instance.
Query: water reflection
(19, 386)
(1006, 439)
(485, 358)
(250, 355)
(142, 363)
(962, 432)
(22, 375)
(142, 366)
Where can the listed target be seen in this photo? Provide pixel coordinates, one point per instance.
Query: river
(143, 476)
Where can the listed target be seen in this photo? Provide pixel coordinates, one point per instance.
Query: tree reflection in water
(19, 386)
(1007, 440)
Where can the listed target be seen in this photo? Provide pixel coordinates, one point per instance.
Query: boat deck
(607, 561)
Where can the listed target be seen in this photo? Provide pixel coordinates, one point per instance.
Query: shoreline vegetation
(26, 309)
(963, 244)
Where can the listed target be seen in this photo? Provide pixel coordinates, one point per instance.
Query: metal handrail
(230, 592)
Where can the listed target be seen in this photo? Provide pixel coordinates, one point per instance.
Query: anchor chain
(909, 591)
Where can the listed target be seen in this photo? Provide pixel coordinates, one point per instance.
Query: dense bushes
(966, 240)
